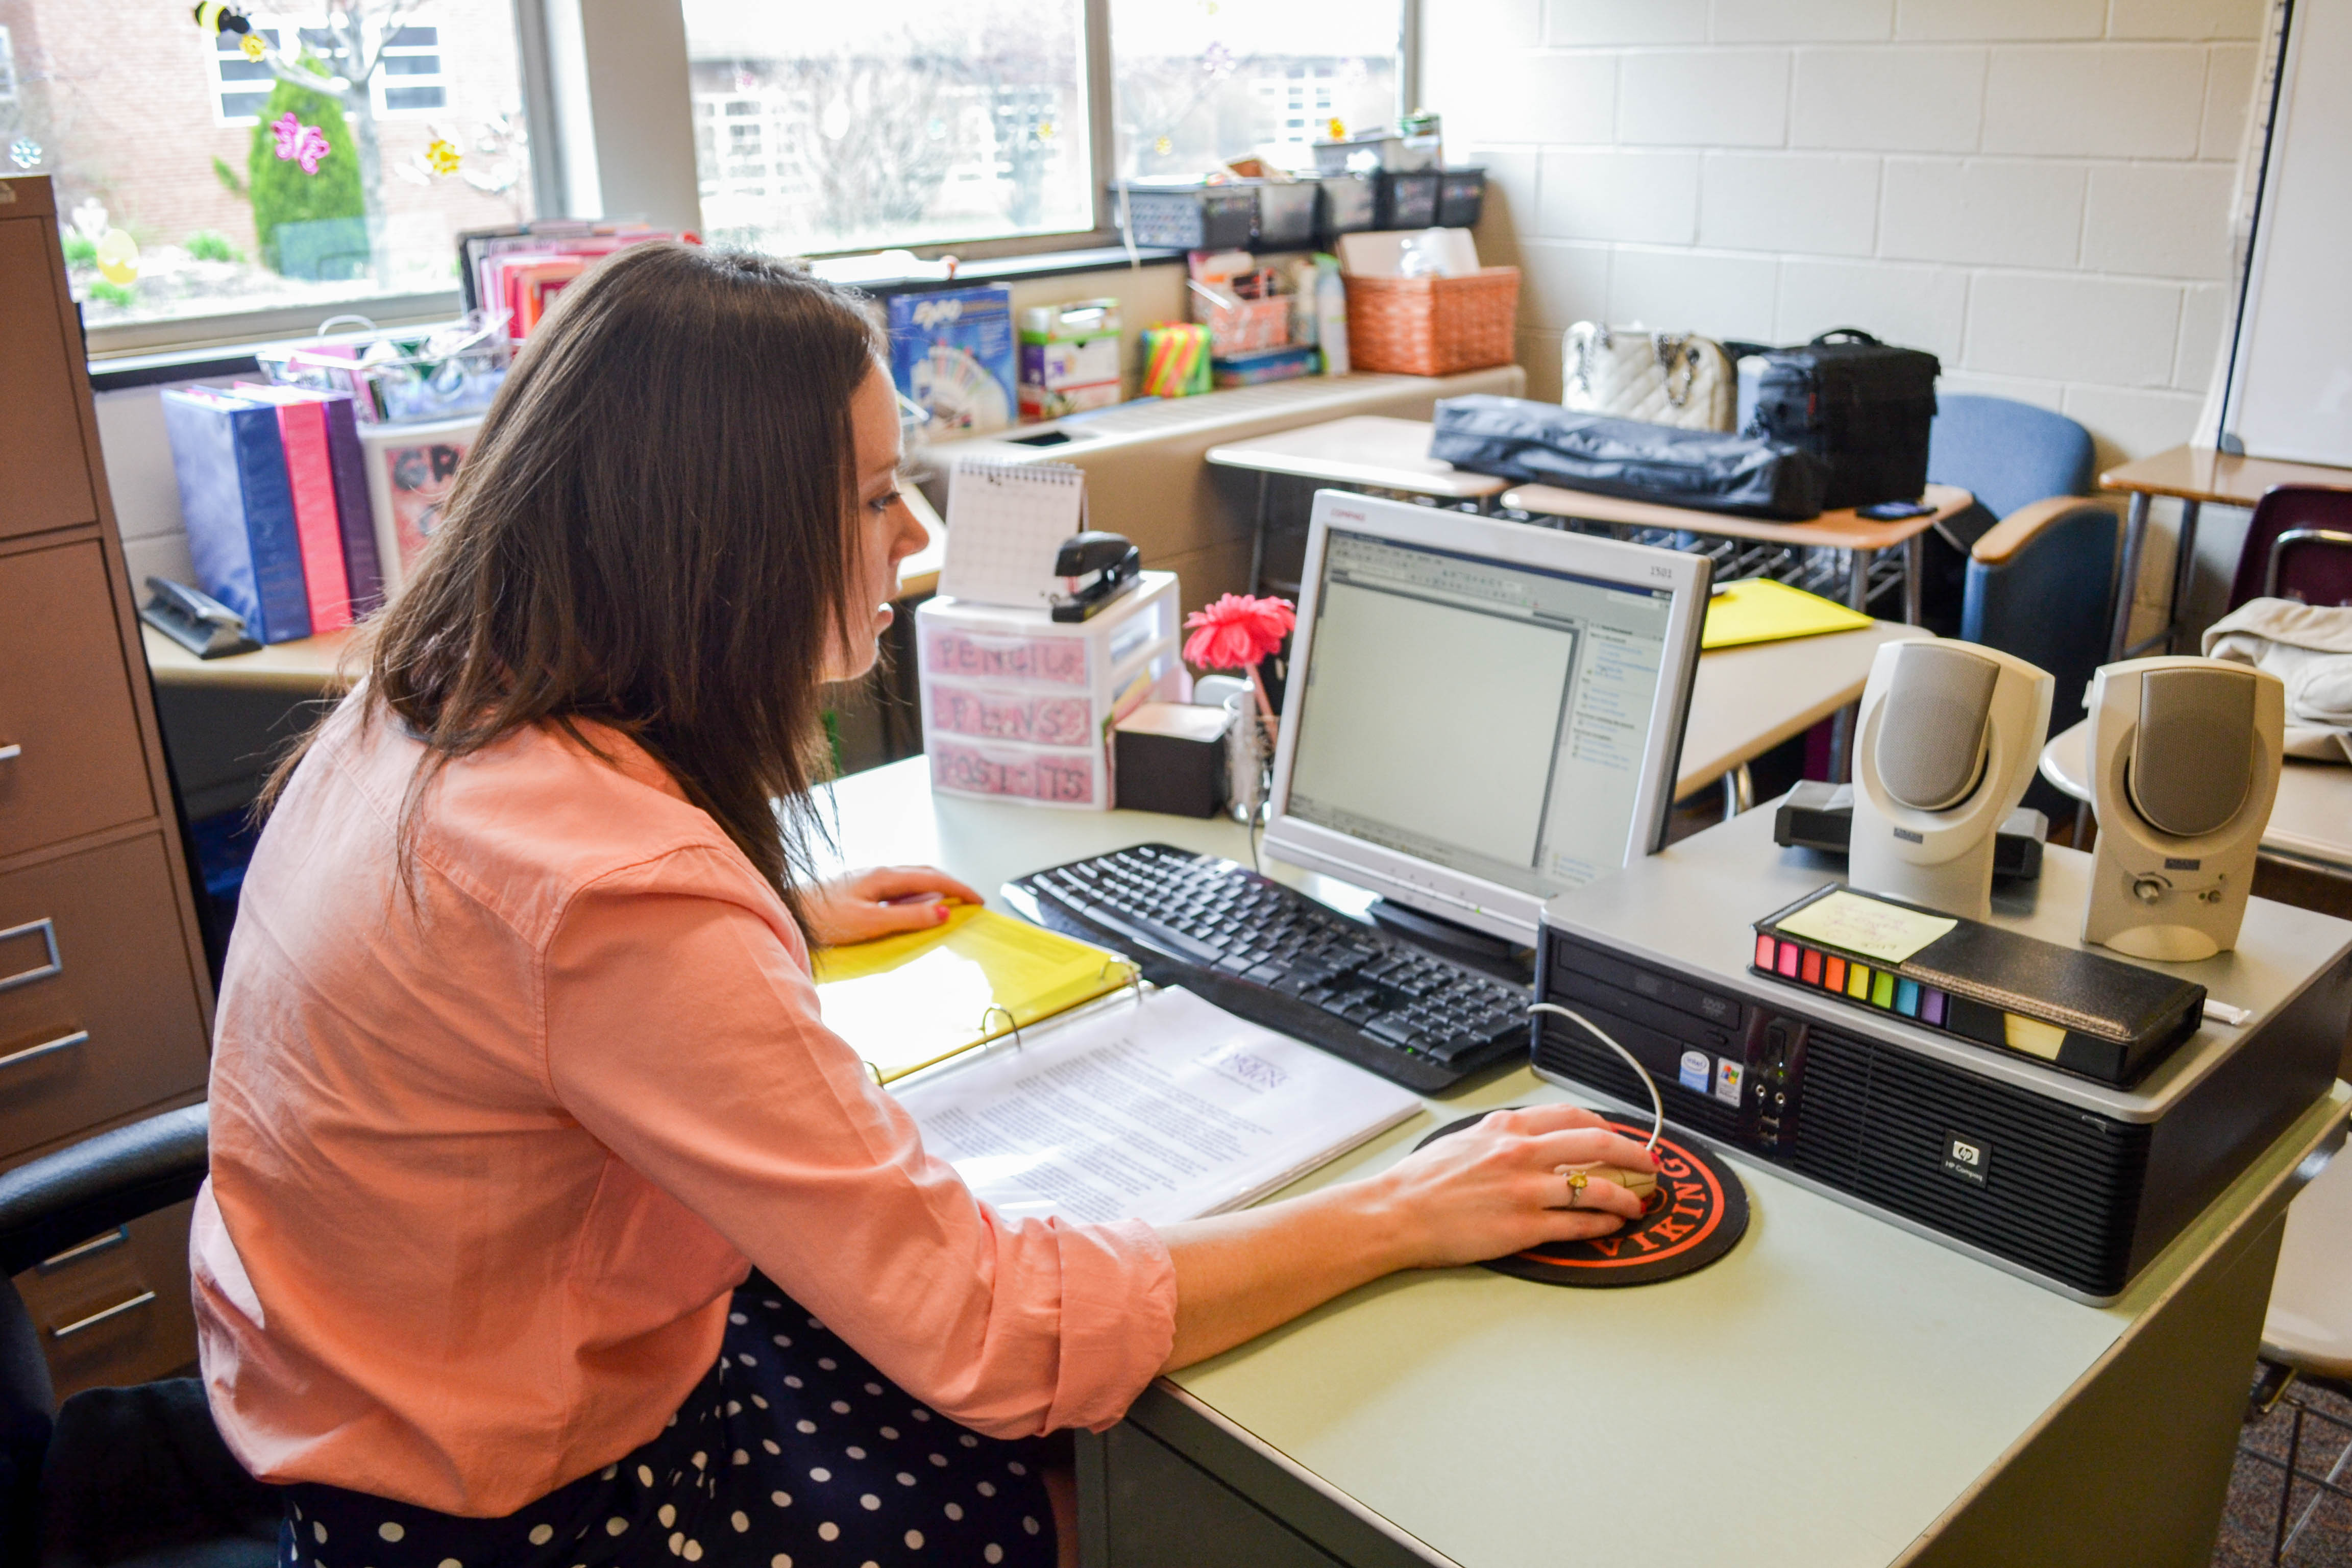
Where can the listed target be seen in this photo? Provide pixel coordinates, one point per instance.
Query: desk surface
(1839, 529)
(1747, 699)
(2310, 820)
(314, 664)
(1370, 449)
(2203, 474)
(1822, 1397)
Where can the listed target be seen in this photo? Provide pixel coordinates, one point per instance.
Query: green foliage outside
(112, 293)
(210, 245)
(307, 226)
(80, 250)
(229, 179)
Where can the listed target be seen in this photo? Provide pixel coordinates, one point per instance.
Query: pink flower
(1237, 632)
(304, 144)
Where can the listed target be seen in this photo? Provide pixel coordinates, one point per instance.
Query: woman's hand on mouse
(881, 901)
(1494, 1188)
(1484, 1192)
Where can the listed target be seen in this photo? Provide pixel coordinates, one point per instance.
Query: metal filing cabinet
(105, 1004)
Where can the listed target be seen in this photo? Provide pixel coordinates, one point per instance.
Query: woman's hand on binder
(882, 900)
(1486, 1191)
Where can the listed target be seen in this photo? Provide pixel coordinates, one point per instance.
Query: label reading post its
(1847, 919)
(1697, 1067)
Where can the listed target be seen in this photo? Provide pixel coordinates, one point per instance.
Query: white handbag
(1664, 378)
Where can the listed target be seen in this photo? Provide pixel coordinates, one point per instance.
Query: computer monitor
(1480, 714)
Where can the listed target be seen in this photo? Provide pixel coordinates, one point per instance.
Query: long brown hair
(654, 531)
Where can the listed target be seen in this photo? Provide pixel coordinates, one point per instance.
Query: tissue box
(1171, 758)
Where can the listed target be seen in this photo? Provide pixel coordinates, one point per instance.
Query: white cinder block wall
(2036, 191)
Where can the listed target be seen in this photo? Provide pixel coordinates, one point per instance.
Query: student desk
(2193, 476)
(1368, 452)
(1835, 1392)
(1839, 529)
(2311, 820)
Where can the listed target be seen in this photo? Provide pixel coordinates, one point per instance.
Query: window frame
(10, 93)
(635, 83)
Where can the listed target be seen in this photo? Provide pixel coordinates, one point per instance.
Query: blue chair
(2040, 570)
(2038, 575)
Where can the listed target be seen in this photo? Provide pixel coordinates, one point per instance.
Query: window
(175, 142)
(410, 81)
(824, 127)
(7, 75)
(1201, 82)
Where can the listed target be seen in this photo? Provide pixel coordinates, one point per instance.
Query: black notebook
(2097, 1016)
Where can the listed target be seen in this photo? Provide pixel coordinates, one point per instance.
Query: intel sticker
(1726, 1081)
(1697, 1067)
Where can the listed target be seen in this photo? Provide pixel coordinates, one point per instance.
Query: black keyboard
(1278, 958)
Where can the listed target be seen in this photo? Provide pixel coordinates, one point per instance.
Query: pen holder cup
(1248, 749)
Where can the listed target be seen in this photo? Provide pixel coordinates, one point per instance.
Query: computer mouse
(1641, 1183)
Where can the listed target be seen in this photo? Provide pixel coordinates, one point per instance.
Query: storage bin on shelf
(1432, 326)
(1019, 707)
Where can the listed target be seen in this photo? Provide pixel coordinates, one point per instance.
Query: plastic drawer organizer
(1021, 706)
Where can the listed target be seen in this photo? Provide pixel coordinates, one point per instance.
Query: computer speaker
(1946, 744)
(2184, 764)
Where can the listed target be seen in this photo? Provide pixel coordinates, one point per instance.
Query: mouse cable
(1657, 1103)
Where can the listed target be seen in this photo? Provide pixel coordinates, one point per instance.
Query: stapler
(197, 622)
(1095, 568)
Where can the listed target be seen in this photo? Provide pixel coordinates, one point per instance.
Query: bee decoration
(216, 16)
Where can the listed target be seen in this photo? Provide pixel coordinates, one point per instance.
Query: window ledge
(120, 372)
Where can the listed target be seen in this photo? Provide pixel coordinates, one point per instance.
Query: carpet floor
(2321, 1524)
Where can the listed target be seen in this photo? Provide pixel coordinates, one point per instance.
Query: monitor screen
(1475, 708)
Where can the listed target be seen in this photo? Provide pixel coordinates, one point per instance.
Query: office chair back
(2006, 454)
(117, 1473)
(2311, 567)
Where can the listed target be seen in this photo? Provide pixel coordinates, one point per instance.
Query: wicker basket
(1432, 326)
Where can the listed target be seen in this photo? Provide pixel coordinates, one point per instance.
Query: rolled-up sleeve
(683, 1032)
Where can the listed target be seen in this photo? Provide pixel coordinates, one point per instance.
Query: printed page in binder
(1006, 520)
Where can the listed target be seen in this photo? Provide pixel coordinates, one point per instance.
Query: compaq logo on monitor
(1908, 836)
(1970, 1159)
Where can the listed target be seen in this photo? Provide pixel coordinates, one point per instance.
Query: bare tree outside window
(959, 120)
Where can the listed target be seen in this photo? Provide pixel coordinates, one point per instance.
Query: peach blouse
(488, 1161)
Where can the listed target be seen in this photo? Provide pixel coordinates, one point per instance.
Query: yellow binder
(905, 1002)
(1761, 610)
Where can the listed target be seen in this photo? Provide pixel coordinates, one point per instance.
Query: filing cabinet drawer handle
(10, 753)
(48, 928)
(140, 1300)
(91, 1248)
(47, 1048)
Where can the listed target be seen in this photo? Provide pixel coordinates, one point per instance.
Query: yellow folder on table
(907, 1001)
(1761, 610)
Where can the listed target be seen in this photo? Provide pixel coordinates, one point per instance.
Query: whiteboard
(2291, 377)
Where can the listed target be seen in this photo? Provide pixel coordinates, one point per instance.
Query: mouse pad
(1699, 1214)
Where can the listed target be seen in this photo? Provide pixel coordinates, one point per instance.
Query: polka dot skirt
(792, 1450)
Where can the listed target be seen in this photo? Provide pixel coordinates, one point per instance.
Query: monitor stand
(1494, 955)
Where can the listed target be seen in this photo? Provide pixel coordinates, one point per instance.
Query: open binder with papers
(1150, 1105)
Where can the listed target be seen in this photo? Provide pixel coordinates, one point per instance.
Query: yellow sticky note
(1847, 919)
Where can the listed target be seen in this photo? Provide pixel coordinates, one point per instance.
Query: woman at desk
(519, 1074)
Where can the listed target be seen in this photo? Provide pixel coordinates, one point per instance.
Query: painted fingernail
(938, 913)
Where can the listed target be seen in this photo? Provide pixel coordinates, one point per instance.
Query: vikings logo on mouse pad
(1699, 1214)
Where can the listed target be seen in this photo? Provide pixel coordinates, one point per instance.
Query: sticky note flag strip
(1887, 932)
